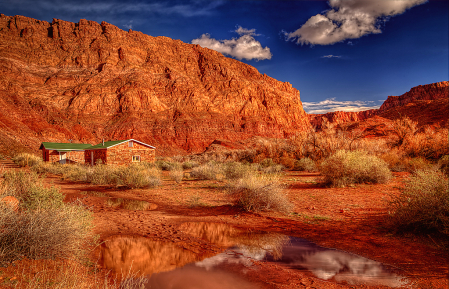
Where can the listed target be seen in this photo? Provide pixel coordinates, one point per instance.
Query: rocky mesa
(426, 104)
(87, 81)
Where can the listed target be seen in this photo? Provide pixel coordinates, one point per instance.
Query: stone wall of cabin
(99, 154)
(122, 154)
(71, 157)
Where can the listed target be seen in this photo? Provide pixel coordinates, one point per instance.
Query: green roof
(107, 144)
(64, 146)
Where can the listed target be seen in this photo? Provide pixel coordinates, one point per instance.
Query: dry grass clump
(188, 165)
(177, 175)
(423, 204)
(26, 159)
(209, 171)
(46, 227)
(305, 164)
(68, 274)
(346, 167)
(44, 233)
(259, 193)
(236, 170)
(398, 162)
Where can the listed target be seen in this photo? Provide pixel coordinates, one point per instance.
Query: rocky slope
(426, 104)
(87, 81)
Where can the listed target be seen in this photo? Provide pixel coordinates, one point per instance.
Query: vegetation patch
(423, 204)
(351, 167)
(304, 164)
(259, 193)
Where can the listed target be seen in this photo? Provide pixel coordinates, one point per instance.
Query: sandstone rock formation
(426, 104)
(87, 81)
(433, 91)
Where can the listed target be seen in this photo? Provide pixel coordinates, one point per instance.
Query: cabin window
(136, 159)
(130, 144)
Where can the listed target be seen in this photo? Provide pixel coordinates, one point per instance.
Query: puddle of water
(170, 266)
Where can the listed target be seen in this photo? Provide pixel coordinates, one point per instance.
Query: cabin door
(62, 158)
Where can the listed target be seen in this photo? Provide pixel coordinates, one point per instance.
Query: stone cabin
(63, 152)
(120, 152)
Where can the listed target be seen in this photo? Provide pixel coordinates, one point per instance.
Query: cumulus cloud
(349, 19)
(244, 47)
(330, 105)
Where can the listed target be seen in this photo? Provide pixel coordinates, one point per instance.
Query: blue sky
(340, 54)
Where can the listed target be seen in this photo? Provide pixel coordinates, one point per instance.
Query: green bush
(423, 204)
(259, 193)
(351, 167)
(305, 164)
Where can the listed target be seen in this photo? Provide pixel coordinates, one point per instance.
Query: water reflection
(143, 256)
(168, 265)
(340, 266)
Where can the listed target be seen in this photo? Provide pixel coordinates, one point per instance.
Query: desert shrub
(47, 167)
(259, 193)
(423, 204)
(177, 175)
(209, 171)
(166, 165)
(61, 232)
(19, 182)
(276, 169)
(268, 162)
(236, 170)
(346, 167)
(443, 164)
(187, 165)
(305, 164)
(28, 189)
(287, 162)
(25, 159)
(429, 144)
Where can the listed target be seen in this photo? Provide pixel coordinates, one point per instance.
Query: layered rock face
(433, 91)
(426, 104)
(87, 81)
(338, 117)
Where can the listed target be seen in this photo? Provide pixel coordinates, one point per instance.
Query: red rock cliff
(433, 91)
(87, 81)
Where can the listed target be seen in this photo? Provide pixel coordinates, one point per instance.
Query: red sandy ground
(355, 216)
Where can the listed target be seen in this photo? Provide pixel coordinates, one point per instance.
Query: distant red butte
(426, 104)
(87, 81)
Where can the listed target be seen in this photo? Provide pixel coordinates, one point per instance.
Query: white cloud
(349, 19)
(330, 105)
(129, 25)
(244, 47)
(331, 56)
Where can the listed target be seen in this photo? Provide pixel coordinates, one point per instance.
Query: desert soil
(348, 219)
